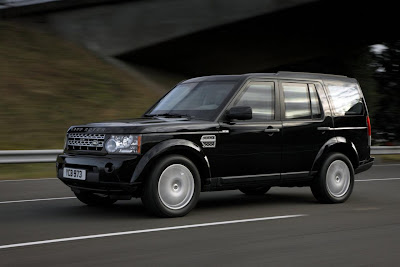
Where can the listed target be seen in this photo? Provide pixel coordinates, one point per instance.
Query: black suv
(246, 132)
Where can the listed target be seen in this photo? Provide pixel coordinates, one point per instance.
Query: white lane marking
(60, 198)
(382, 179)
(367, 209)
(24, 180)
(33, 200)
(147, 231)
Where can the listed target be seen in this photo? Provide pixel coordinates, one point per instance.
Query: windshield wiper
(169, 115)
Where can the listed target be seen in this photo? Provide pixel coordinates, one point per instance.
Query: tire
(335, 180)
(255, 191)
(172, 188)
(92, 199)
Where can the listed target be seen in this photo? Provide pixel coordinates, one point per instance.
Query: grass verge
(387, 159)
(27, 171)
(48, 84)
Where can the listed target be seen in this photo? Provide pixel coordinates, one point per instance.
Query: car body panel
(229, 154)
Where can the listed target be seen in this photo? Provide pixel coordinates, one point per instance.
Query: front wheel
(172, 188)
(335, 181)
(93, 199)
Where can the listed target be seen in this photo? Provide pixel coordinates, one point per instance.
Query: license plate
(71, 173)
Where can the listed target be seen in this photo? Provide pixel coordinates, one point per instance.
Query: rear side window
(315, 104)
(297, 101)
(346, 99)
(301, 101)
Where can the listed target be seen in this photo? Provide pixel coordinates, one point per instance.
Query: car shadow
(210, 201)
(239, 199)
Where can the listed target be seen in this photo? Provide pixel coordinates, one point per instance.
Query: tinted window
(297, 101)
(315, 104)
(202, 100)
(346, 99)
(260, 97)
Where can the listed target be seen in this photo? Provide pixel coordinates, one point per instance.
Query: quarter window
(346, 99)
(260, 97)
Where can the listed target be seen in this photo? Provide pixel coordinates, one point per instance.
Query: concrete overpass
(117, 27)
(196, 37)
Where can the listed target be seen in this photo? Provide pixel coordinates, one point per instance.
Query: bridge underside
(200, 37)
(326, 36)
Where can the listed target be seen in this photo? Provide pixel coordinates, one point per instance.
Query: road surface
(42, 224)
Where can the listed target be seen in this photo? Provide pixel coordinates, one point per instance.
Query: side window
(260, 97)
(346, 99)
(301, 101)
(315, 104)
(297, 101)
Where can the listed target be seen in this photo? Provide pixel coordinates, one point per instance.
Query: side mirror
(240, 113)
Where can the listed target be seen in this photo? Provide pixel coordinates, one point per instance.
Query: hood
(145, 125)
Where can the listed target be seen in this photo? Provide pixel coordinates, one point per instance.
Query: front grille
(85, 142)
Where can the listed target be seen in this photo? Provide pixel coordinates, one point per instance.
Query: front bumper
(106, 174)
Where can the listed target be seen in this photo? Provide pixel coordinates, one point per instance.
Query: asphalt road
(363, 231)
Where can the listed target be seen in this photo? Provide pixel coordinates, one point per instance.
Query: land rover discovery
(247, 132)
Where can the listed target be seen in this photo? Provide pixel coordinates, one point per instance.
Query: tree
(386, 61)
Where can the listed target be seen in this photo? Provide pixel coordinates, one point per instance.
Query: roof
(280, 74)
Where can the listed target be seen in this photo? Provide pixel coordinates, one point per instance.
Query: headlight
(124, 144)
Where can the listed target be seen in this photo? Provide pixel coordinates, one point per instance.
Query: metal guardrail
(50, 155)
(385, 150)
(29, 156)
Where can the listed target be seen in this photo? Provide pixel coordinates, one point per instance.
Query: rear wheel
(172, 188)
(93, 199)
(335, 181)
(255, 191)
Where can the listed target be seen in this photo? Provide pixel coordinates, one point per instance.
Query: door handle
(271, 130)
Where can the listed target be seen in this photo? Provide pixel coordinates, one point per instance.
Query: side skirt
(274, 179)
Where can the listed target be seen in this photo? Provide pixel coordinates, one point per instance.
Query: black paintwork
(246, 153)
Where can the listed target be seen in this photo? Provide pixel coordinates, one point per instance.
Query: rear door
(305, 112)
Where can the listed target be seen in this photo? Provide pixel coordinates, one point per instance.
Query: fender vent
(208, 141)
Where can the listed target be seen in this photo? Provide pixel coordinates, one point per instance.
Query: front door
(251, 149)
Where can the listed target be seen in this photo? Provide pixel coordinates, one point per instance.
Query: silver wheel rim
(338, 178)
(176, 186)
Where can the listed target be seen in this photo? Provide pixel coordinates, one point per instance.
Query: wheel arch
(173, 146)
(340, 145)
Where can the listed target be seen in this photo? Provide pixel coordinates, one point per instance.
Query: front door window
(260, 97)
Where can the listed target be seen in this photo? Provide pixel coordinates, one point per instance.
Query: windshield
(201, 100)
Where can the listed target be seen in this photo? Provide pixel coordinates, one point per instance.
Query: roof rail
(309, 73)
